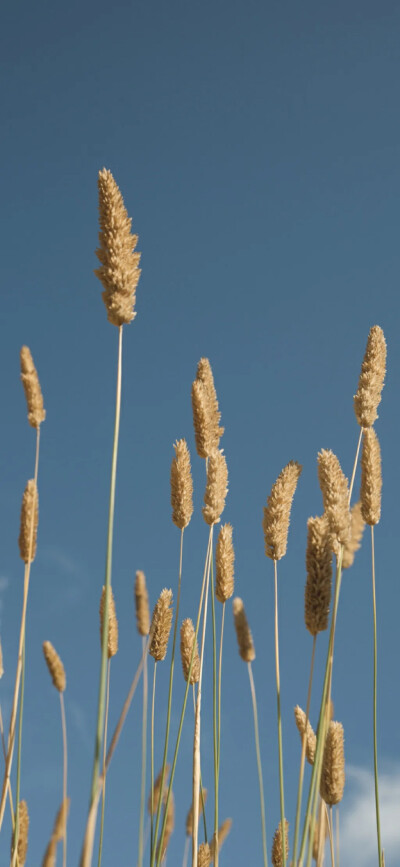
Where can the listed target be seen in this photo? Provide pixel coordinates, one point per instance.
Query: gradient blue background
(257, 148)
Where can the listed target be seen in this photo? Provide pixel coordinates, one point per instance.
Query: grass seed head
(357, 525)
(187, 641)
(311, 740)
(112, 639)
(333, 774)
(335, 494)
(50, 854)
(161, 626)
(142, 604)
(157, 790)
(204, 855)
(55, 666)
(204, 374)
(277, 845)
(33, 392)
(169, 827)
(223, 832)
(372, 378)
(277, 511)
(225, 559)
(61, 819)
(243, 633)
(23, 828)
(29, 522)
(371, 478)
(216, 488)
(189, 817)
(181, 486)
(317, 596)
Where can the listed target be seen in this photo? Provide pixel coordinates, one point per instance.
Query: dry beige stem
(181, 486)
(225, 559)
(119, 269)
(157, 789)
(372, 378)
(277, 511)
(223, 832)
(216, 488)
(204, 374)
(371, 478)
(50, 854)
(204, 855)
(243, 633)
(55, 666)
(23, 828)
(311, 740)
(335, 494)
(189, 817)
(277, 845)
(29, 516)
(112, 639)
(58, 830)
(357, 525)
(33, 392)
(161, 625)
(187, 640)
(318, 589)
(320, 831)
(333, 775)
(142, 604)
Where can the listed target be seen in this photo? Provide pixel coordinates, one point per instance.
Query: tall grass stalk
(259, 765)
(65, 773)
(378, 820)
(18, 786)
(3, 743)
(330, 827)
(153, 701)
(107, 582)
(220, 682)
(278, 700)
(103, 790)
(215, 717)
(203, 803)
(303, 754)
(144, 743)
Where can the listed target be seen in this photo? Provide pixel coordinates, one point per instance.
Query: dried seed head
(335, 494)
(29, 522)
(142, 604)
(169, 827)
(243, 633)
(157, 790)
(161, 625)
(225, 559)
(181, 486)
(357, 525)
(23, 828)
(204, 855)
(61, 819)
(372, 377)
(50, 854)
(204, 374)
(187, 641)
(320, 832)
(55, 666)
(277, 511)
(206, 414)
(119, 270)
(318, 590)
(189, 817)
(33, 392)
(333, 776)
(277, 845)
(223, 832)
(112, 640)
(371, 478)
(216, 488)
(311, 740)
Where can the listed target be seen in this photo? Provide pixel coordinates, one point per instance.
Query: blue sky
(257, 149)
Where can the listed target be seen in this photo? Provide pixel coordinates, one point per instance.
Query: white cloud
(358, 841)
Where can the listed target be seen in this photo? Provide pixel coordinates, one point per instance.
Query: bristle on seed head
(142, 604)
(277, 511)
(33, 392)
(161, 626)
(181, 486)
(372, 378)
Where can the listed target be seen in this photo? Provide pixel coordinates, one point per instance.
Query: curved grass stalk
(303, 754)
(65, 773)
(215, 718)
(353, 474)
(103, 791)
(152, 761)
(220, 682)
(143, 779)
(17, 794)
(3, 743)
(378, 820)
(278, 701)
(259, 765)
(203, 803)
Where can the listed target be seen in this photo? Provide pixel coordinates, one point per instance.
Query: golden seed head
(372, 378)
(335, 494)
(243, 633)
(142, 604)
(204, 855)
(29, 522)
(157, 790)
(318, 589)
(33, 392)
(119, 270)
(61, 819)
(204, 374)
(371, 478)
(225, 559)
(169, 827)
(216, 488)
(311, 739)
(277, 845)
(161, 625)
(187, 641)
(112, 639)
(333, 776)
(357, 525)
(206, 414)
(223, 832)
(181, 486)
(55, 666)
(277, 511)
(189, 817)
(320, 832)
(23, 828)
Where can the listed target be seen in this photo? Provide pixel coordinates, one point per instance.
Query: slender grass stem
(220, 683)
(103, 791)
(378, 819)
(353, 475)
(152, 761)
(215, 716)
(19, 756)
(186, 852)
(278, 699)
(108, 571)
(203, 803)
(144, 743)
(330, 827)
(259, 765)
(337, 837)
(65, 776)
(303, 754)
(3, 743)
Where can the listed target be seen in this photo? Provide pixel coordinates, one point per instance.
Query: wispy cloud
(358, 842)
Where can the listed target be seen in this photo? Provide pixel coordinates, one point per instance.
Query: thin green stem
(220, 683)
(19, 756)
(259, 765)
(303, 754)
(3, 743)
(353, 475)
(337, 837)
(203, 803)
(152, 762)
(65, 773)
(278, 700)
(103, 793)
(215, 720)
(144, 743)
(330, 826)
(107, 583)
(378, 819)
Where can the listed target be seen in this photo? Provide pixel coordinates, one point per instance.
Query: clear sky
(257, 148)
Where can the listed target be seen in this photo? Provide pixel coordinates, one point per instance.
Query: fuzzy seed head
(181, 486)
(320, 832)
(216, 488)
(371, 478)
(333, 775)
(204, 855)
(335, 495)
(206, 414)
(318, 590)
(204, 374)
(278, 842)
(161, 625)
(23, 828)
(372, 378)
(169, 827)
(277, 511)
(119, 270)
(225, 559)
(157, 790)
(187, 641)
(189, 817)
(112, 639)
(243, 633)
(55, 666)
(29, 522)
(357, 525)
(311, 740)
(142, 604)
(33, 392)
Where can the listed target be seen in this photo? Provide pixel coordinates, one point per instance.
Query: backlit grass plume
(206, 415)
(243, 632)
(216, 488)
(311, 738)
(181, 486)
(225, 559)
(188, 636)
(29, 522)
(353, 544)
(33, 392)
(161, 625)
(371, 478)
(55, 666)
(119, 269)
(333, 774)
(204, 374)
(372, 377)
(277, 511)
(335, 495)
(112, 637)
(142, 604)
(279, 842)
(318, 589)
